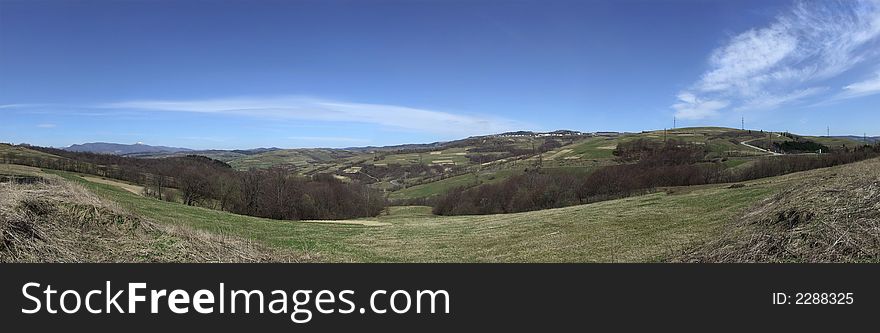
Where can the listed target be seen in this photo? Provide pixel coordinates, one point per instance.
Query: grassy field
(441, 186)
(595, 148)
(445, 156)
(637, 229)
(20, 170)
(21, 152)
(300, 158)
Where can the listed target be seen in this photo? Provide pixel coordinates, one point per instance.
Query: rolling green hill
(304, 160)
(637, 229)
(15, 152)
(397, 170)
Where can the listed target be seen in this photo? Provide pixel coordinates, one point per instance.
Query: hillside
(419, 171)
(8, 152)
(651, 227)
(859, 139)
(57, 221)
(833, 216)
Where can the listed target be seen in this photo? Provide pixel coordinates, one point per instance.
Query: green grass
(732, 163)
(637, 229)
(595, 148)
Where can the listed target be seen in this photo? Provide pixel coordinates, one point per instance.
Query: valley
(677, 223)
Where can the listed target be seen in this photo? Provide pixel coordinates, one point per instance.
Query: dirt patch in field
(365, 223)
(139, 190)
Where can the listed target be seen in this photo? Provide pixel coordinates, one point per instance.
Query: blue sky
(236, 74)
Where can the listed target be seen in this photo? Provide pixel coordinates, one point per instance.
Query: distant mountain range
(870, 139)
(122, 149)
(142, 150)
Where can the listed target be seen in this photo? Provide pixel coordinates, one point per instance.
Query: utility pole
(743, 123)
(673, 122)
(828, 131)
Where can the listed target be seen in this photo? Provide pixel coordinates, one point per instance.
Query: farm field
(303, 159)
(443, 185)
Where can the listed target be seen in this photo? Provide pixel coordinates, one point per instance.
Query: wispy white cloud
(338, 139)
(691, 107)
(773, 101)
(46, 125)
(307, 108)
(24, 105)
(863, 88)
(788, 60)
(747, 58)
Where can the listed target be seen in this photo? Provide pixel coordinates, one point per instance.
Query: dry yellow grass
(21, 170)
(832, 216)
(56, 221)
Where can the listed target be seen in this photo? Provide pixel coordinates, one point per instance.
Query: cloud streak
(692, 107)
(864, 88)
(787, 61)
(307, 108)
(337, 139)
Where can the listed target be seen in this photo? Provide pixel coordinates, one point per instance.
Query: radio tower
(743, 123)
